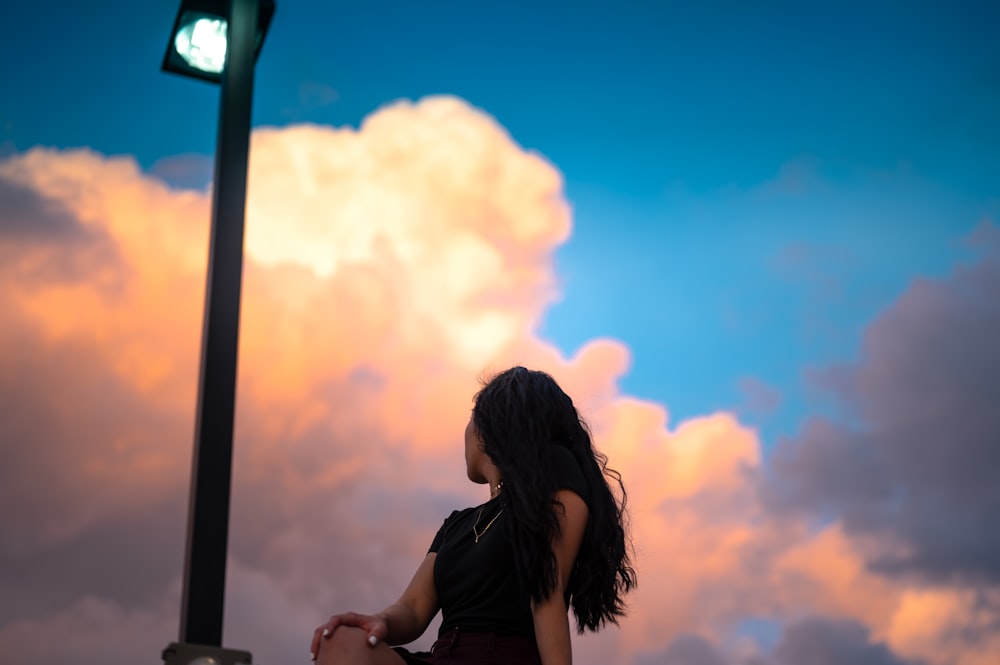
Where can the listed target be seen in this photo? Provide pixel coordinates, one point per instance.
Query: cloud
(386, 268)
(948, 625)
(823, 642)
(418, 252)
(42, 240)
(91, 630)
(985, 237)
(812, 640)
(914, 468)
(27, 215)
(188, 171)
(685, 650)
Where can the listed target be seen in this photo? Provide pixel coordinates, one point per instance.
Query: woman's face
(475, 458)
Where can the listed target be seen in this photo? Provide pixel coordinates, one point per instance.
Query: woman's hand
(374, 625)
(409, 616)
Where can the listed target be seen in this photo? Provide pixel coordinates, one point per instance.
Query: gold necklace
(488, 525)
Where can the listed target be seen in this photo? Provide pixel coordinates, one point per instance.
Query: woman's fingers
(374, 626)
(314, 646)
(377, 630)
(322, 632)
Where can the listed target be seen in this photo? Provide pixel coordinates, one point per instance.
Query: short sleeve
(568, 475)
(439, 536)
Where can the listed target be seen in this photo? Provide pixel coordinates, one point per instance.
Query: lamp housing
(197, 44)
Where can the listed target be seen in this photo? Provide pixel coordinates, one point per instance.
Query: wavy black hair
(521, 415)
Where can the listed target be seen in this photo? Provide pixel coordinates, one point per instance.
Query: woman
(505, 573)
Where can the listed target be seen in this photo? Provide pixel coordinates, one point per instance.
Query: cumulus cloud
(387, 267)
(90, 630)
(915, 470)
(812, 640)
(383, 273)
(685, 650)
(824, 642)
(28, 214)
(187, 171)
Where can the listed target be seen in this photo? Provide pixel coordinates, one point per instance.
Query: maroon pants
(462, 647)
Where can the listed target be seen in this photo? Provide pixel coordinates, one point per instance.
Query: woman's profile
(505, 574)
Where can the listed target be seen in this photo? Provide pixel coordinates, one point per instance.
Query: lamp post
(217, 41)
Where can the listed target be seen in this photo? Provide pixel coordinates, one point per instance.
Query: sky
(758, 244)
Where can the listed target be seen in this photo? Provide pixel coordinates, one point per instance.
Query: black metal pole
(211, 471)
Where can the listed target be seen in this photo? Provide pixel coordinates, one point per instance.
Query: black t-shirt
(476, 582)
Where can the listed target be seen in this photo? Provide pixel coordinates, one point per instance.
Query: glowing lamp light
(202, 44)
(198, 42)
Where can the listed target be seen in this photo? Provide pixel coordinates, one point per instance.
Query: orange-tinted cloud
(386, 268)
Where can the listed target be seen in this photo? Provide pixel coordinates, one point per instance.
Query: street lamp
(217, 41)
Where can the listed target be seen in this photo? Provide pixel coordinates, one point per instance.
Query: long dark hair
(521, 415)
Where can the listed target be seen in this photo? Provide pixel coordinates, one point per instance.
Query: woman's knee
(345, 646)
(349, 646)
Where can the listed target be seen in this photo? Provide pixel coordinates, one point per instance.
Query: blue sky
(700, 143)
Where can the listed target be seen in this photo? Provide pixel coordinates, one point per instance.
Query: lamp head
(197, 45)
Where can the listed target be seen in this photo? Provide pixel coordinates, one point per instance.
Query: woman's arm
(550, 615)
(402, 622)
(408, 617)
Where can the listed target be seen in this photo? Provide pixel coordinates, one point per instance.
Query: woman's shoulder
(457, 517)
(463, 513)
(567, 474)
